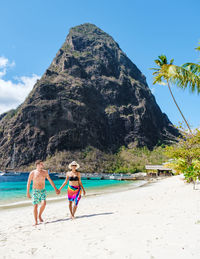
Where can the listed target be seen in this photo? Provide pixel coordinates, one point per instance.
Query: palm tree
(185, 76)
(167, 73)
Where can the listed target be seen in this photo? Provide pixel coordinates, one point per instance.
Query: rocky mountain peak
(91, 95)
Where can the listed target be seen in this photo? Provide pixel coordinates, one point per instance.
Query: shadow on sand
(93, 215)
(79, 217)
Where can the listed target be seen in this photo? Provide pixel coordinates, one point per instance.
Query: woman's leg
(74, 210)
(76, 201)
(70, 208)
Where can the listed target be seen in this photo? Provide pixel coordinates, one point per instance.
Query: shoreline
(90, 192)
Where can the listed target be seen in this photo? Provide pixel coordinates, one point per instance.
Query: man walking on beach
(38, 177)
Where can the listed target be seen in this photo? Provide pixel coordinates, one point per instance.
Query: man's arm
(52, 183)
(80, 183)
(30, 178)
(65, 182)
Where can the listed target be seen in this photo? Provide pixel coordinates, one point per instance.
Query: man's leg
(35, 212)
(43, 205)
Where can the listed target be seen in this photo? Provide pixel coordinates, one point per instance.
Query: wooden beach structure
(158, 170)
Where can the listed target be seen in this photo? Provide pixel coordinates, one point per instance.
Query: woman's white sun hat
(74, 163)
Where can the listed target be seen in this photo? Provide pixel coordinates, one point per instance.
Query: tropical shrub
(186, 156)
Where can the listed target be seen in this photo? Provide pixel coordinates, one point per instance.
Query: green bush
(186, 156)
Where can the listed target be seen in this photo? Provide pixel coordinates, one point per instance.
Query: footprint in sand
(3, 237)
(33, 250)
(19, 227)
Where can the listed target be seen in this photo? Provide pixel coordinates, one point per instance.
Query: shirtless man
(38, 177)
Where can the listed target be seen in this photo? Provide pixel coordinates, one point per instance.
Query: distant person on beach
(74, 188)
(38, 177)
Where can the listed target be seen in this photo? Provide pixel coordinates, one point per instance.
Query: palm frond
(163, 59)
(158, 62)
(198, 48)
(158, 80)
(156, 69)
(184, 78)
(192, 67)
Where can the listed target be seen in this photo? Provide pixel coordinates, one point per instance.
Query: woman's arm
(80, 183)
(64, 183)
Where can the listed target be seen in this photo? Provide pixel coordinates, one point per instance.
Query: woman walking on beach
(74, 188)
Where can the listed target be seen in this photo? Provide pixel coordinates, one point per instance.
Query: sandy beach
(156, 221)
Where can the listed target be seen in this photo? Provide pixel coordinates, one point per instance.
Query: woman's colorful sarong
(74, 193)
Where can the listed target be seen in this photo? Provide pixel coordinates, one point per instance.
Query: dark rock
(91, 95)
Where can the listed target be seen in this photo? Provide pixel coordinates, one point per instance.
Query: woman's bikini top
(73, 178)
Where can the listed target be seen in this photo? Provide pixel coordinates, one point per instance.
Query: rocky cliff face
(91, 95)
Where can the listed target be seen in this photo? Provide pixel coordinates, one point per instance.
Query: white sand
(157, 221)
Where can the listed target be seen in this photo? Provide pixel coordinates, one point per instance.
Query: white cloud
(2, 73)
(13, 92)
(3, 62)
(4, 65)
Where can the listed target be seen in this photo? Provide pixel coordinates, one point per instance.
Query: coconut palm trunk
(178, 107)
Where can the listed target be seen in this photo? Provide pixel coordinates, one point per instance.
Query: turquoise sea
(13, 187)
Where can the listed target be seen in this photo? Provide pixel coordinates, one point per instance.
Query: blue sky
(33, 31)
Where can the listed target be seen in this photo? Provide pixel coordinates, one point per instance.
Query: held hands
(57, 191)
(84, 192)
(28, 195)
